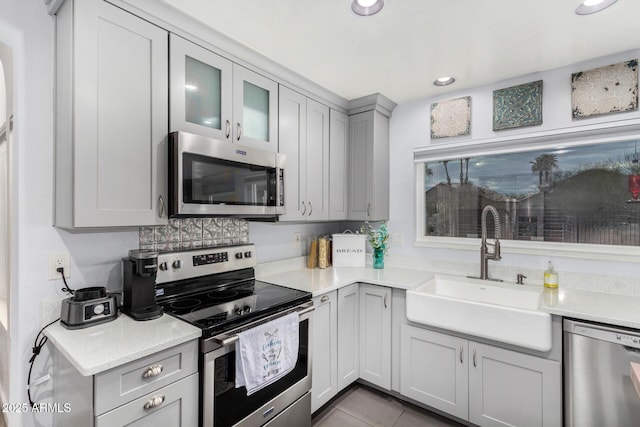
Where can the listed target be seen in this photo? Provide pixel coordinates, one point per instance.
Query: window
(586, 194)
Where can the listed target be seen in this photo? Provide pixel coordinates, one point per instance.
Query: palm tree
(446, 170)
(543, 165)
(466, 176)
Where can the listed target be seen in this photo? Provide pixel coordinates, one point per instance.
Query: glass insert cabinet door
(201, 90)
(213, 97)
(255, 109)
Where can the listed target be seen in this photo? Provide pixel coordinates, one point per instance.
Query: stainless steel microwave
(208, 177)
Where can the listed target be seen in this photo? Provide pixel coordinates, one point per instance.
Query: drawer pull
(152, 371)
(324, 299)
(154, 402)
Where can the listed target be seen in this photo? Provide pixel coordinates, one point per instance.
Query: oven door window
(215, 181)
(232, 404)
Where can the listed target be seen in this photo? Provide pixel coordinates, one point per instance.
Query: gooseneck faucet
(485, 255)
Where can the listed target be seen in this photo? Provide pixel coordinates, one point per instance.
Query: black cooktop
(215, 305)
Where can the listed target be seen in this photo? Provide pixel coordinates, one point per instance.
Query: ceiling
(400, 51)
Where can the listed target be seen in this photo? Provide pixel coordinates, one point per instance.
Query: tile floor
(361, 406)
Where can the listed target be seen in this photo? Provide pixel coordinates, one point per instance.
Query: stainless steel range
(215, 290)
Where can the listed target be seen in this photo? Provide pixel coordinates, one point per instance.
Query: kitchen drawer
(177, 407)
(135, 379)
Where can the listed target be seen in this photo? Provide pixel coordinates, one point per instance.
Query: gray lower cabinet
(335, 362)
(434, 371)
(157, 390)
(507, 388)
(170, 406)
(375, 335)
(348, 335)
(481, 383)
(324, 363)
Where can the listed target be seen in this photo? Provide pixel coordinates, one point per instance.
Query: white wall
(409, 129)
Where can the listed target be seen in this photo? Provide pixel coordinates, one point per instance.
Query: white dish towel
(267, 352)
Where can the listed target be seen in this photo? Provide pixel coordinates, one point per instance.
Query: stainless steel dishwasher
(597, 373)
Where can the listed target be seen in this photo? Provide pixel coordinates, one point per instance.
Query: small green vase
(378, 257)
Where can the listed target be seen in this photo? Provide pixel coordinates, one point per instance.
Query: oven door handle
(225, 340)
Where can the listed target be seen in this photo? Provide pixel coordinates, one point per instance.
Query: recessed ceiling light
(588, 7)
(366, 7)
(444, 81)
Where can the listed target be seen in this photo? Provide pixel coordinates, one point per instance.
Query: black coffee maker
(139, 287)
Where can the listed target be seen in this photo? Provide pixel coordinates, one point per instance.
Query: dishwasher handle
(629, 338)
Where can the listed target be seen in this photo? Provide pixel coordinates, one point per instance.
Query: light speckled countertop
(101, 347)
(605, 307)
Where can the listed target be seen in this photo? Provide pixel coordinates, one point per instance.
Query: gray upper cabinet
(304, 139)
(338, 155)
(255, 109)
(211, 96)
(201, 85)
(111, 117)
(369, 166)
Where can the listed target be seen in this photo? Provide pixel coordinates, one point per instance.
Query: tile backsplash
(194, 233)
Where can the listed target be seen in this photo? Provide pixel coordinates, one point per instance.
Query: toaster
(88, 307)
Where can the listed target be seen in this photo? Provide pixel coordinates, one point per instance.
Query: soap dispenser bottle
(550, 277)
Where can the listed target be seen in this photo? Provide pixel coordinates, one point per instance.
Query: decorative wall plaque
(605, 90)
(451, 118)
(517, 106)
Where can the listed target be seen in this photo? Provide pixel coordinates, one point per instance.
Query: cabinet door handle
(239, 128)
(369, 209)
(152, 371)
(385, 300)
(228, 129)
(304, 208)
(161, 200)
(154, 402)
(461, 348)
(310, 209)
(324, 298)
(474, 358)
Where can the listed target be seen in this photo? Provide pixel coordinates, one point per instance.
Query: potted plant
(378, 241)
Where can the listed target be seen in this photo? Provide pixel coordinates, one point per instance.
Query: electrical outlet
(59, 260)
(297, 237)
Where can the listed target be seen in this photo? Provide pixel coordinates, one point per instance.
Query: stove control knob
(238, 255)
(163, 266)
(246, 309)
(247, 254)
(177, 264)
(237, 311)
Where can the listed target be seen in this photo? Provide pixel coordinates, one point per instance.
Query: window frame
(594, 134)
